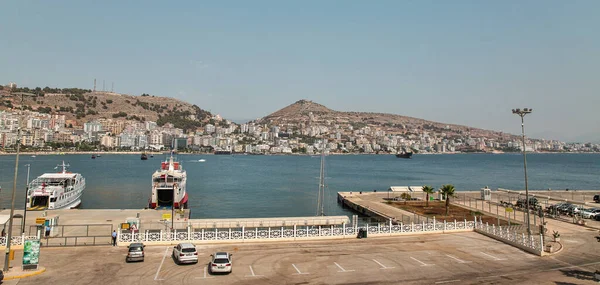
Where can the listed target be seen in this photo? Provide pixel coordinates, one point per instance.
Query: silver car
(185, 253)
(221, 263)
(135, 252)
(590, 213)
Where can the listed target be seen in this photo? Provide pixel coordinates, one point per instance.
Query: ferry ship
(55, 190)
(168, 186)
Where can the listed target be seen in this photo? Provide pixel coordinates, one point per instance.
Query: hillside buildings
(54, 131)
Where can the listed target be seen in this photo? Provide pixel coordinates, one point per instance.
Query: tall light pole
(14, 190)
(25, 205)
(522, 114)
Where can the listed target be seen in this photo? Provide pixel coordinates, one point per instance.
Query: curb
(25, 275)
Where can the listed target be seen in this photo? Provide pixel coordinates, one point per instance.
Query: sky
(460, 62)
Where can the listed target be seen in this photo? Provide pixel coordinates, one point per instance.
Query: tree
(447, 191)
(428, 190)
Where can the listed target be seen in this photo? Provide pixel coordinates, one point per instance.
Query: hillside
(299, 112)
(83, 105)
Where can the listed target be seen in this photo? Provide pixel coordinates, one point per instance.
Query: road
(461, 258)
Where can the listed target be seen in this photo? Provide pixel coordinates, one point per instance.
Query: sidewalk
(520, 217)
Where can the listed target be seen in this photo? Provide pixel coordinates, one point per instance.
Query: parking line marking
(161, 264)
(422, 263)
(298, 270)
(205, 277)
(343, 270)
(382, 266)
(495, 258)
(447, 281)
(252, 271)
(457, 259)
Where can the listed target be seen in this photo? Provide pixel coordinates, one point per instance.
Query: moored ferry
(169, 186)
(60, 190)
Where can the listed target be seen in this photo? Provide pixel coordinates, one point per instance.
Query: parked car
(590, 213)
(221, 263)
(185, 253)
(135, 252)
(597, 198)
(522, 203)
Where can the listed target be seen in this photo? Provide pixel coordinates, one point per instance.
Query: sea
(243, 186)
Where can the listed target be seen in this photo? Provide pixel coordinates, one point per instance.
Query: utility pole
(12, 205)
(522, 114)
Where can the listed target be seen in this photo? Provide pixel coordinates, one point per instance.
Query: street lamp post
(14, 190)
(522, 114)
(25, 205)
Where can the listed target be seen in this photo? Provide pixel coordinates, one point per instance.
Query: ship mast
(321, 198)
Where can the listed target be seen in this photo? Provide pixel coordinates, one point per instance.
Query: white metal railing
(534, 243)
(17, 240)
(289, 232)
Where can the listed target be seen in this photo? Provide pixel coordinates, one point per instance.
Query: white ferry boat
(168, 186)
(56, 190)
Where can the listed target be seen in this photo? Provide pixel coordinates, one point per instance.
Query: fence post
(307, 231)
(434, 228)
(269, 231)
(160, 236)
(294, 231)
(282, 232)
(412, 227)
(390, 227)
(230, 233)
(455, 224)
(378, 228)
(444, 225)
(423, 224)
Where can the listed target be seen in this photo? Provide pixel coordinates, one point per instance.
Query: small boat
(202, 160)
(144, 156)
(404, 154)
(93, 156)
(222, 152)
(34, 156)
(55, 190)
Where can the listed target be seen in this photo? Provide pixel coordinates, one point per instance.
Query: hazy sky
(463, 62)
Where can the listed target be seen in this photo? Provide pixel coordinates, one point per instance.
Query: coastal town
(294, 132)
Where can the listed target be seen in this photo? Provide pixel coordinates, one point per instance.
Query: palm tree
(429, 190)
(447, 191)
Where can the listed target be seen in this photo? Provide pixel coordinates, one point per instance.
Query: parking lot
(462, 258)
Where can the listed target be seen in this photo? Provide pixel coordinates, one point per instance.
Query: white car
(185, 253)
(590, 213)
(221, 263)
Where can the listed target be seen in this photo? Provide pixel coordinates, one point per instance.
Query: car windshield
(189, 249)
(221, 260)
(135, 248)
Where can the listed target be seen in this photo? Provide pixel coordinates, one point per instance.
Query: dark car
(135, 252)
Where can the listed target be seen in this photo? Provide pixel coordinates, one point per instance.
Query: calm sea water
(277, 186)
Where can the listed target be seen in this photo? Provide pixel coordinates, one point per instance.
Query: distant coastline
(269, 154)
